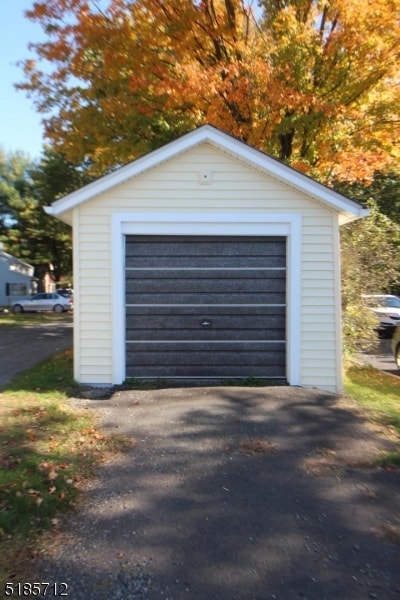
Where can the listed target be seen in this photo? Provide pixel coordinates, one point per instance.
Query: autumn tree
(313, 82)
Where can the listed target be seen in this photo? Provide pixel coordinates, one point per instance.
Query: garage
(207, 259)
(205, 307)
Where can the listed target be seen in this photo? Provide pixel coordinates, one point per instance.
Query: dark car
(66, 292)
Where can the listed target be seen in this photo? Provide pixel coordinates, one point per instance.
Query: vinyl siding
(174, 186)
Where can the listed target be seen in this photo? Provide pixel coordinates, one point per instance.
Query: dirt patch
(252, 447)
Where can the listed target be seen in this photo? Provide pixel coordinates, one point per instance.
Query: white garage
(207, 260)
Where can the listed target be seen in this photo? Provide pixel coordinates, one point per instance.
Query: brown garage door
(205, 307)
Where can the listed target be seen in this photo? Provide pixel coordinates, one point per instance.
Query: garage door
(205, 307)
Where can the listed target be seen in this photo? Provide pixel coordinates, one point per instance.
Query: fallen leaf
(52, 475)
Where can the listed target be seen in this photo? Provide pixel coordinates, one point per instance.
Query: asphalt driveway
(233, 494)
(225, 493)
(25, 346)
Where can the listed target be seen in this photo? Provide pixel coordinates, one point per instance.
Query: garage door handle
(206, 323)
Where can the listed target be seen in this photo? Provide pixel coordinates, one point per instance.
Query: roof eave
(270, 166)
(347, 217)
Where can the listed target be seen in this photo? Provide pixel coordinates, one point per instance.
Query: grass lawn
(378, 395)
(47, 450)
(9, 319)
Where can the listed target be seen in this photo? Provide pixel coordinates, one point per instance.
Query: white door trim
(193, 223)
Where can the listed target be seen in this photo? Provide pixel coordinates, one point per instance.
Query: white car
(387, 309)
(396, 346)
(42, 302)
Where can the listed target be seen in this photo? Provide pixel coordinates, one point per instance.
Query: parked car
(66, 292)
(387, 309)
(396, 346)
(43, 302)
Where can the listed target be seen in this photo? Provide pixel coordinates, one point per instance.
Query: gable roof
(348, 209)
(15, 264)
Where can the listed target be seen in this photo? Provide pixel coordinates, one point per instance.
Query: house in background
(16, 278)
(207, 260)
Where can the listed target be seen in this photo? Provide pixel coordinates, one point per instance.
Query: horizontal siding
(95, 280)
(235, 187)
(97, 356)
(88, 332)
(318, 335)
(312, 332)
(94, 375)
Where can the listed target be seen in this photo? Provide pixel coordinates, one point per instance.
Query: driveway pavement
(232, 494)
(23, 347)
(225, 493)
(381, 358)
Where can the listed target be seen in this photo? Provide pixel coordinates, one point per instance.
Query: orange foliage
(314, 83)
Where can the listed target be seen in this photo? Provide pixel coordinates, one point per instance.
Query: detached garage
(207, 260)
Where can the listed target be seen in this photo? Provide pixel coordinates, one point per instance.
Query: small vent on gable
(205, 177)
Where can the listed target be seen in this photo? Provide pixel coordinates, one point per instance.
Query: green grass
(47, 450)
(378, 394)
(9, 319)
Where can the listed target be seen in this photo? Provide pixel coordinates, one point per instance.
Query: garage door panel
(205, 326)
(205, 334)
(178, 310)
(137, 275)
(233, 353)
(205, 261)
(204, 298)
(208, 372)
(209, 285)
(202, 246)
(192, 291)
(205, 307)
(248, 359)
(205, 322)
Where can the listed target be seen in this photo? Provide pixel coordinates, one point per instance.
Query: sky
(20, 127)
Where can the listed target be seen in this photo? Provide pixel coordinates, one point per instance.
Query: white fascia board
(226, 143)
(287, 175)
(346, 217)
